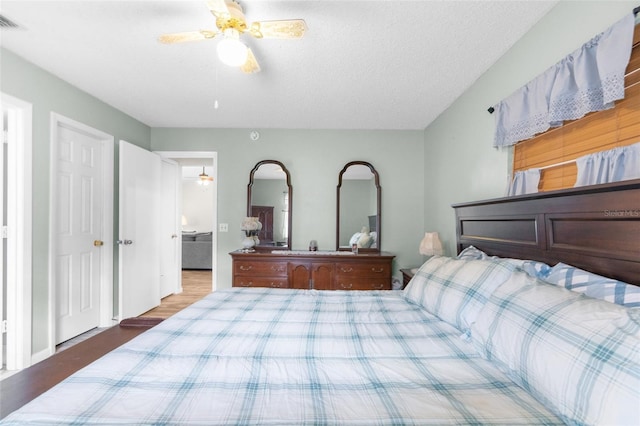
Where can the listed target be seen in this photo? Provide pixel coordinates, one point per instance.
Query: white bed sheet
(291, 357)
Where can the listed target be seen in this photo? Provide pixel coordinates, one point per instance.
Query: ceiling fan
(231, 23)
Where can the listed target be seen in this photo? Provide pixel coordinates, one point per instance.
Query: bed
(476, 339)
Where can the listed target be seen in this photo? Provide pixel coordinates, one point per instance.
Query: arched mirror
(358, 217)
(269, 199)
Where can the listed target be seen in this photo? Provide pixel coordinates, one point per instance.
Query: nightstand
(407, 274)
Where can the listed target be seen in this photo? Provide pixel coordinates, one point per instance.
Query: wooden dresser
(306, 270)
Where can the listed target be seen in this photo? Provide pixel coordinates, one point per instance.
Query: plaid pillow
(455, 290)
(577, 355)
(593, 285)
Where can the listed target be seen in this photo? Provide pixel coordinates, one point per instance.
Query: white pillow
(455, 290)
(531, 267)
(579, 356)
(354, 238)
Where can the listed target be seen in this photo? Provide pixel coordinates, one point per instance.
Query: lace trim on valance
(524, 129)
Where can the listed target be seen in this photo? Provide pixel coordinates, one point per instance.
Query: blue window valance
(589, 79)
(614, 165)
(524, 182)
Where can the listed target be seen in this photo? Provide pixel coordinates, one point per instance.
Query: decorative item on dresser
(313, 270)
(251, 226)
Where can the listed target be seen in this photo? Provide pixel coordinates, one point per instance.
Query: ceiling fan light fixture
(204, 178)
(231, 50)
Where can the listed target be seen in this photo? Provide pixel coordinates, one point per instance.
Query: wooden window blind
(597, 131)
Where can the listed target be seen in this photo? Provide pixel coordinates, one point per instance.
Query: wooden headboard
(595, 228)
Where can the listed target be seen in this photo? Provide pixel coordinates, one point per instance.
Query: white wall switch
(224, 227)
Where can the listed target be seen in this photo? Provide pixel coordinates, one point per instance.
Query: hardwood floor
(195, 285)
(22, 387)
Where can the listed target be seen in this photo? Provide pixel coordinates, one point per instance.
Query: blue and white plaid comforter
(291, 357)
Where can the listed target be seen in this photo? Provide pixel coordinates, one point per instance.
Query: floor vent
(6, 23)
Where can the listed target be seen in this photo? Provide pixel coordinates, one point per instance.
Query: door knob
(125, 242)
(98, 243)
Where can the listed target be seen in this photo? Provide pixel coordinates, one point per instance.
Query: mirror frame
(289, 220)
(378, 206)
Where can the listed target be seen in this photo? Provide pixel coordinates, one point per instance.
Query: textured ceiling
(361, 64)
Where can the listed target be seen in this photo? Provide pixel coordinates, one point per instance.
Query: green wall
(48, 94)
(314, 159)
(460, 163)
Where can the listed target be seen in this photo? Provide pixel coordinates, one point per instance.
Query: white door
(78, 233)
(139, 254)
(170, 248)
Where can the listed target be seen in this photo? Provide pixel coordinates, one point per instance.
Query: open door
(139, 254)
(170, 239)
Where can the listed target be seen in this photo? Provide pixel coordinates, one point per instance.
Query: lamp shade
(430, 244)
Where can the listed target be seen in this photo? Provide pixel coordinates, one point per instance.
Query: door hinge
(5, 137)
(4, 233)
(3, 326)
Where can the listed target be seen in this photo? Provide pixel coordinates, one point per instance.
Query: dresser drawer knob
(343, 269)
(246, 268)
(346, 286)
(377, 270)
(276, 285)
(277, 268)
(246, 284)
(378, 286)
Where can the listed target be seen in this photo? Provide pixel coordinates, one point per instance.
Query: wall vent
(6, 23)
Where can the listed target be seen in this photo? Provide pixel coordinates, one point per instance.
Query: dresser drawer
(369, 269)
(273, 282)
(271, 269)
(362, 283)
(366, 271)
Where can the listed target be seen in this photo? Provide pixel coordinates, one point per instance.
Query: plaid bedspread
(291, 357)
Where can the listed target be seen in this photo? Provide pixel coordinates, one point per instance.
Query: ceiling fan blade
(251, 66)
(218, 8)
(291, 28)
(186, 36)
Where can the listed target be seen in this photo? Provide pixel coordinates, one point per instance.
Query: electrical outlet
(224, 227)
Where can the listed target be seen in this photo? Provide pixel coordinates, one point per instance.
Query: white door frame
(19, 227)
(213, 156)
(106, 255)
